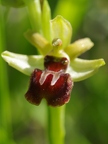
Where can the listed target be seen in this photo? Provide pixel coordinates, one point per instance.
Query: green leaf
(23, 63)
(61, 28)
(82, 69)
(78, 47)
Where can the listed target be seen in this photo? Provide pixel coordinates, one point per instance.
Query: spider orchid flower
(54, 71)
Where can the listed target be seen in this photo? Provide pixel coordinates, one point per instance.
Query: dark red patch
(55, 63)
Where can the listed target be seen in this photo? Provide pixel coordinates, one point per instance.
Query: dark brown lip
(53, 85)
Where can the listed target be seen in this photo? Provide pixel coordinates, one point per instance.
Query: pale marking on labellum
(56, 76)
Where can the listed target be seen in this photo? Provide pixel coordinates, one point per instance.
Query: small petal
(81, 69)
(61, 28)
(38, 41)
(23, 63)
(78, 47)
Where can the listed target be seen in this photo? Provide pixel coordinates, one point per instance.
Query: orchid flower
(56, 68)
(54, 71)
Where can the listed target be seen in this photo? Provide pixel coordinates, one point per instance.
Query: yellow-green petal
(23, 63)
(81, 69)
(78, 47)
(38, 41)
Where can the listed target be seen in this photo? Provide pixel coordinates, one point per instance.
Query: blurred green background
(87, 111)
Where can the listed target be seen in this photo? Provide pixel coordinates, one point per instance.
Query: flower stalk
(56, 124)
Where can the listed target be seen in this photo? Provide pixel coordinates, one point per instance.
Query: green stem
(34, 10)
(56, 125)
(5, 112)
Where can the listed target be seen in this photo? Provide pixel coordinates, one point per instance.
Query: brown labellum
(52, 84)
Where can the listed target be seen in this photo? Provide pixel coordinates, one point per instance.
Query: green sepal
(61, 28)
(23, 63)
(13, 3)
(78, 47)
(80, 69)
(38, 41)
